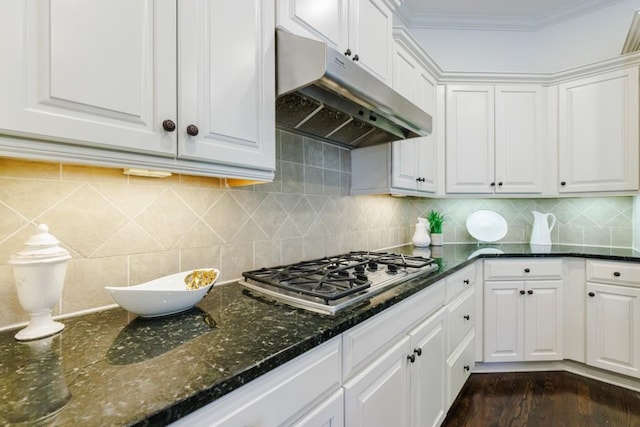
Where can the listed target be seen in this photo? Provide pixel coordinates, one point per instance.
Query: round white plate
(487, 226)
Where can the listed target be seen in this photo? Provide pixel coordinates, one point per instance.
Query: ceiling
(516, 15)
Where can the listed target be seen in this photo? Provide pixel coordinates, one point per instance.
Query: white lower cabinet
(613, 328)
(459, 365)
(379, 395)
(329, 413)
(306, 389)
(523, 318)
(461, 321)
(405, 385)
(613, 316)
(428, 404)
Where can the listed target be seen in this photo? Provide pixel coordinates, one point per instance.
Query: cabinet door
(69, 76)
(470, 139)
(379, 396)
(519, 143)
(227, 75)
(325, 20)
(370, 37)
(598, 133)
(503, 321)
(427, 150)
(613, 335)
(427, 372)
(543, 320)
(404, 172)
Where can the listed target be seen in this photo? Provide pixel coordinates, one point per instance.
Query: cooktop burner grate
(334, 280)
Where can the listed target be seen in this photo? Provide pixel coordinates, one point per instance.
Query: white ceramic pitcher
(541, 233)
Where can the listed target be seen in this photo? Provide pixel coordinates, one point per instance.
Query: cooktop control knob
(392, 268)
(373, 265)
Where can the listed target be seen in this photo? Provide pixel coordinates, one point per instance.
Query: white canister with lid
(39, 272)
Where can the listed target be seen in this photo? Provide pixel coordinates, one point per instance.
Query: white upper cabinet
(69, 76)
(470, 139)
(495, 141)
(598, 132)
(189, 85)
(361, 29)
(407, 167)
(227, 75)
(414, 160)
(519, 139)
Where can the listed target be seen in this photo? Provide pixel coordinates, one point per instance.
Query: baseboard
(561, 365)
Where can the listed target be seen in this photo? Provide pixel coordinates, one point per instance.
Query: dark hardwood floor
(546, 399)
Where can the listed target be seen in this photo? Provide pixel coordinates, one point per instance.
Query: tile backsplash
(590, 221)
(125, 230)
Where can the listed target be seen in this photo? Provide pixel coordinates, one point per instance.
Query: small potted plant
(435, 219)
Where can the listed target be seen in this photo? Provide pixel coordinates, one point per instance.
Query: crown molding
(632, 42)
(587, 70)
(403, 37)
(500, 23)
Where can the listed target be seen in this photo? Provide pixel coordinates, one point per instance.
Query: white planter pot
(436, 239)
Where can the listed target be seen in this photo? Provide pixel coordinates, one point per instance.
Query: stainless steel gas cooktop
(329, 284)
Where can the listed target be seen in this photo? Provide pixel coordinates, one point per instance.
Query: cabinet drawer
(460, 281)
(459, 367)
(523, 269)
(363, 343)
(622, 273)
(460, 319)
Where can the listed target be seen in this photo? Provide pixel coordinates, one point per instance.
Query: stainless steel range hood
(324, 94)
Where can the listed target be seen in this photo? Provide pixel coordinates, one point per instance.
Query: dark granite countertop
(112, 368)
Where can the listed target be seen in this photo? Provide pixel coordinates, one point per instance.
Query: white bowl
(160, 297)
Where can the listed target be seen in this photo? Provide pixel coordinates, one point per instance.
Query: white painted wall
(592, 37)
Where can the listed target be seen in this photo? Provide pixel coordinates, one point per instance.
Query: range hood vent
(323, 94)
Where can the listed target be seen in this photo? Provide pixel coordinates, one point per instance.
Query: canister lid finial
(41, 248)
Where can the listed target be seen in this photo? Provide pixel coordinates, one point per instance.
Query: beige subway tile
(199, 236)
(129, 198)
(287, 230)
(234, 259)
(32, 198)
(313, 247)
(11, 222)
(130, 239)
(167, 218)
(85, 281)
(84, 220)
(269, 216)
(225, 217)
(199, 199)
(267, 253)
(152, 265)
(193, 258)
(292, 250)
(12, 312)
